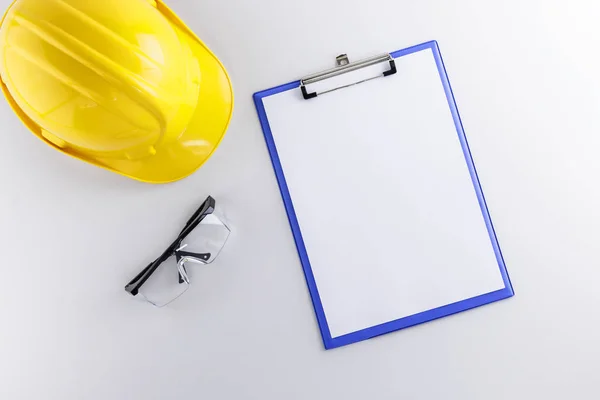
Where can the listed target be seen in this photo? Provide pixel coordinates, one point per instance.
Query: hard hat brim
(182, 157)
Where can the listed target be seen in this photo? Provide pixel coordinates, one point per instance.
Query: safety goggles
(200, 242)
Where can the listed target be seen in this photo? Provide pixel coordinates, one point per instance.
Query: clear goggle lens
(201, 246)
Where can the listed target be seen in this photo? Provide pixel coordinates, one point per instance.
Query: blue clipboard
(410, 320)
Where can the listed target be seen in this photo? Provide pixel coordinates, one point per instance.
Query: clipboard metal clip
(343, 65)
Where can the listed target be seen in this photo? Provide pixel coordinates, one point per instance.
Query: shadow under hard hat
(124, 85)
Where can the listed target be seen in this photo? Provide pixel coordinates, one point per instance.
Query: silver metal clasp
(342, 66)
(342, 60)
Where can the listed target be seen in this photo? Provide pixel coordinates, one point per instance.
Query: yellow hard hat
(122, 84)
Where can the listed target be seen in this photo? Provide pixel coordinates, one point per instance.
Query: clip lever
(343, 65)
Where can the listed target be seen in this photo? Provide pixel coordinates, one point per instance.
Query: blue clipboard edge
(411, 320)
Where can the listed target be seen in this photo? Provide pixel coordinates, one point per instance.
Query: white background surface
(385, 202)
(525, 75)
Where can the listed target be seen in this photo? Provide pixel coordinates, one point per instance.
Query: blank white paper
(383, 195)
